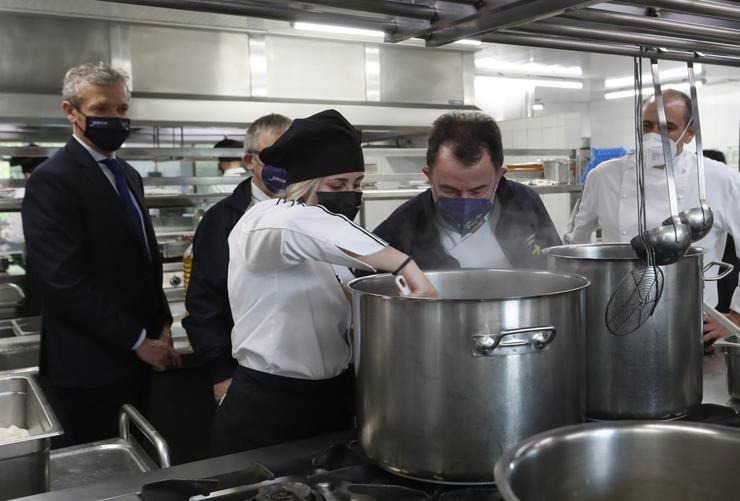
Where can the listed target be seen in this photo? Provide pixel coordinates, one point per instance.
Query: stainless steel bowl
(620, 461)
(731, 348)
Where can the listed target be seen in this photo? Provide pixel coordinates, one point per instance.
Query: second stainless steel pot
(623, 461)
(655, 372)
(445, 386)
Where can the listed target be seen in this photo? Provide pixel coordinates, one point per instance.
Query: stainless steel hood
(220, 73)
(697, 30)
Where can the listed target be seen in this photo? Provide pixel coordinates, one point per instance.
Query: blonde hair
(301, 191)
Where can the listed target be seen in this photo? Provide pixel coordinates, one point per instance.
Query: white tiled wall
(558, 206)
(613, 122)
(562, 130)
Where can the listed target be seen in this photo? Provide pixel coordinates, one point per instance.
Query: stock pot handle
(727, 266)
(525, 340)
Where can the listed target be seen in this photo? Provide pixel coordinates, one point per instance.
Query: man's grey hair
(274, 122)
(93, 73)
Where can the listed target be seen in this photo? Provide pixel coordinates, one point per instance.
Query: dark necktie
(125, 196)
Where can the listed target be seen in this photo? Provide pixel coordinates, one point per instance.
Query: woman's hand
(389, 259)
(418, 282)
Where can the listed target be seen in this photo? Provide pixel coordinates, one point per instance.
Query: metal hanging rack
(703, 31)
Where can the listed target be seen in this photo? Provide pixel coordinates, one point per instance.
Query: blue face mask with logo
(464, 214)
(274, 178)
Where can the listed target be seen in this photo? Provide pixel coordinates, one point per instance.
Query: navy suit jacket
(100, 285)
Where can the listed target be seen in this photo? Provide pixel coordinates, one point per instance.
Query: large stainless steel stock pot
(655, 372)
(446, 385)
(623, 461)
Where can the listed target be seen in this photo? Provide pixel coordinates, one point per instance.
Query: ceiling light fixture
(648, 91)
(539, 82)
(538, 105)
(675, 73)
(337, 30)
(530, 68)
(464, 41)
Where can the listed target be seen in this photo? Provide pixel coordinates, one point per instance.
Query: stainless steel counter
(124, 488)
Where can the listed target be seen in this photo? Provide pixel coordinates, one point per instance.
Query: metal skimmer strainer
(637, 295)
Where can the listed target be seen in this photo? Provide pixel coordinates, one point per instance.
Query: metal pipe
(490, 19)
(573, 29)
(662, 26)
(127, 412)
(281, 13)
(519, 37)
(387, 7)
(700, 7)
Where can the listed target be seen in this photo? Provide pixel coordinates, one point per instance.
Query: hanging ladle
(672, 240)
(700, 219)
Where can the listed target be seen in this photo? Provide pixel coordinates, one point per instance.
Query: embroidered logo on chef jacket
(532, 242)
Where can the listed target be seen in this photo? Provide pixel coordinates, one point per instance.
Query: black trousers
(726, 286)
(91, 414)
(263, 409)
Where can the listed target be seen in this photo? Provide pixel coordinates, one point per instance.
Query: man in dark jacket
(92, 247)
(209, 320)
(472, 216)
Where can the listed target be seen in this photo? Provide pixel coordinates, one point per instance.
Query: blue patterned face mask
(275, 178)
(464, 214)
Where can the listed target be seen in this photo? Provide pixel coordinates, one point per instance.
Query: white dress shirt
(290, 314)
(478, 249)
(228, 188)
(98, 157)
(609, 201)
(257, 196)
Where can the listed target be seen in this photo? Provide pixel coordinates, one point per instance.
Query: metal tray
(108, 459)
(24, 462)
(19, 355)
(26, 326)
(97, 462)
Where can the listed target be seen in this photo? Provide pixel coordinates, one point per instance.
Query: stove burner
(385, 492)
(285, 491)
(472, 494)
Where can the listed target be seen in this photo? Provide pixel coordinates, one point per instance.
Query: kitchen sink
(26, 326)
(6, 329)
(19, 355)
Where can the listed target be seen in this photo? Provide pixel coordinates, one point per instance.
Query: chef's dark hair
(229, 143)
(715, 155)
(469, 135)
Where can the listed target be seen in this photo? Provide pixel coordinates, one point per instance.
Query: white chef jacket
(609, 201)
(478, 249)
(228, 188)
(290, 313)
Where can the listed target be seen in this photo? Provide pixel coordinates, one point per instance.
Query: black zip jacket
(209, 320)
(524, 228)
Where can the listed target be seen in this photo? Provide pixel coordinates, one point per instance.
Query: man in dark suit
(209, 321)
(92, 246)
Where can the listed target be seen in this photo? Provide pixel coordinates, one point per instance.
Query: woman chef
(291, 315)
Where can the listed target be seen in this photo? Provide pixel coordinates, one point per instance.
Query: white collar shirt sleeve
(290, 313)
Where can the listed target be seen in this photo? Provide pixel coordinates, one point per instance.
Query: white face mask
(652, 148)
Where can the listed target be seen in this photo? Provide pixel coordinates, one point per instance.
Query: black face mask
(107, 133)
(346, 203)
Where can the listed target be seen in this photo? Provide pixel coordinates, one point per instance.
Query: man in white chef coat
(609, 195)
